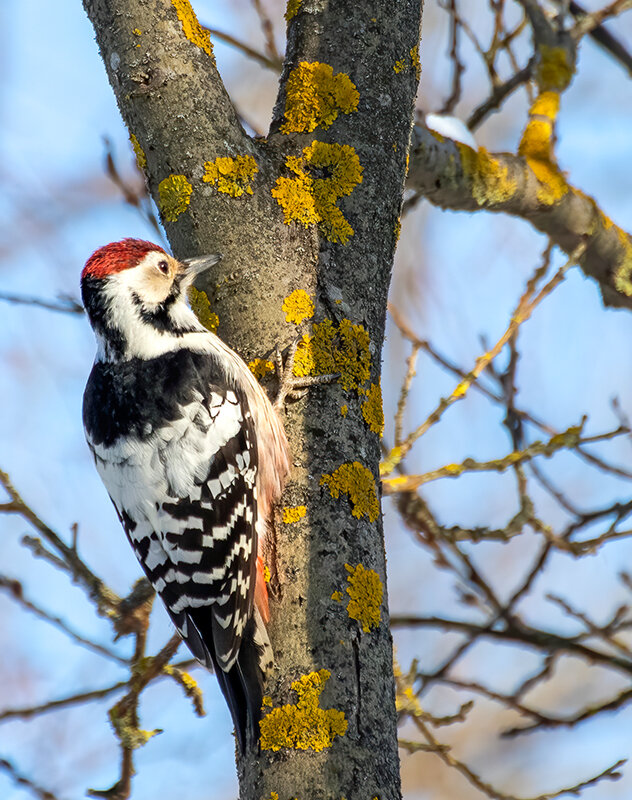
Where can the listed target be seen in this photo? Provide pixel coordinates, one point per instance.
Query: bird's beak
(196, 265)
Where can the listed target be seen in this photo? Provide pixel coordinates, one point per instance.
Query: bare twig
(21, 780)
(15, 590)
(65, 305)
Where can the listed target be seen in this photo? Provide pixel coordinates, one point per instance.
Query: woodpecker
(193, 456)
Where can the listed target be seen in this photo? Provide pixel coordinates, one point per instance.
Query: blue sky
(457, 276)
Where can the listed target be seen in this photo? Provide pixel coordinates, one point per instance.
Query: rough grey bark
(171, 97)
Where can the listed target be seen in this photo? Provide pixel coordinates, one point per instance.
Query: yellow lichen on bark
(260, 367)
(201, 306)
(414, 58)
(141, 158)
(356, 481)
(191, 28)
(536, 147)
(490, 181)
(292, 9)
(292, 514)
(232, 176)
(304, 726)
(308, 200)
(365, 591)
(298, 306)
(343, 349)
(372, 410)
(174, 196)
(315, 95)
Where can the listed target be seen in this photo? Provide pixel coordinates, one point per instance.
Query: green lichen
(356, 481)
(141, 158)
(298, 306)
(189, 685)
(127, 731)
(372, 410)
(490, 181)
(260, 367)
(365, 591)
(304, 726)
(191, 28)
(292, 514)
(312, 200)
(201, 305)
(555, 69)
(232, 176)
(331, 349)
(315, 95)
(174, 196)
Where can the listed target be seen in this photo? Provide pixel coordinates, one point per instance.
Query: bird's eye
(163, 267)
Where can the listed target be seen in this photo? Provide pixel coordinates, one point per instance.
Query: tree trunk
(323, 217)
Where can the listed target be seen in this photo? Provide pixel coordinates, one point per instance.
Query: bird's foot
(291, 386)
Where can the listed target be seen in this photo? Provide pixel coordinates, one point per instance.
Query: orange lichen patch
(304, 726)
(137, 32)
(372, 410)
(344, 349)
(356, 481)
(232, 176)
(315, 95)
(273, 796)
(298, 306)
(191, 28)
(490, 179)
(308, 200)
(292, 9)
(555, 70)
(266, 576)
(174, 196)
(201, 305)
(344, 410)
(365, 590)
(141, 158)
(293, 514)
(260, 367)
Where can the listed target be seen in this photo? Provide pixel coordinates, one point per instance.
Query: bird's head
(132, 287)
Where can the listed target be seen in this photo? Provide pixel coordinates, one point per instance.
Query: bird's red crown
(117, 256)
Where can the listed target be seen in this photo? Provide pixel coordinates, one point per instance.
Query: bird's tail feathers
(242, 684)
